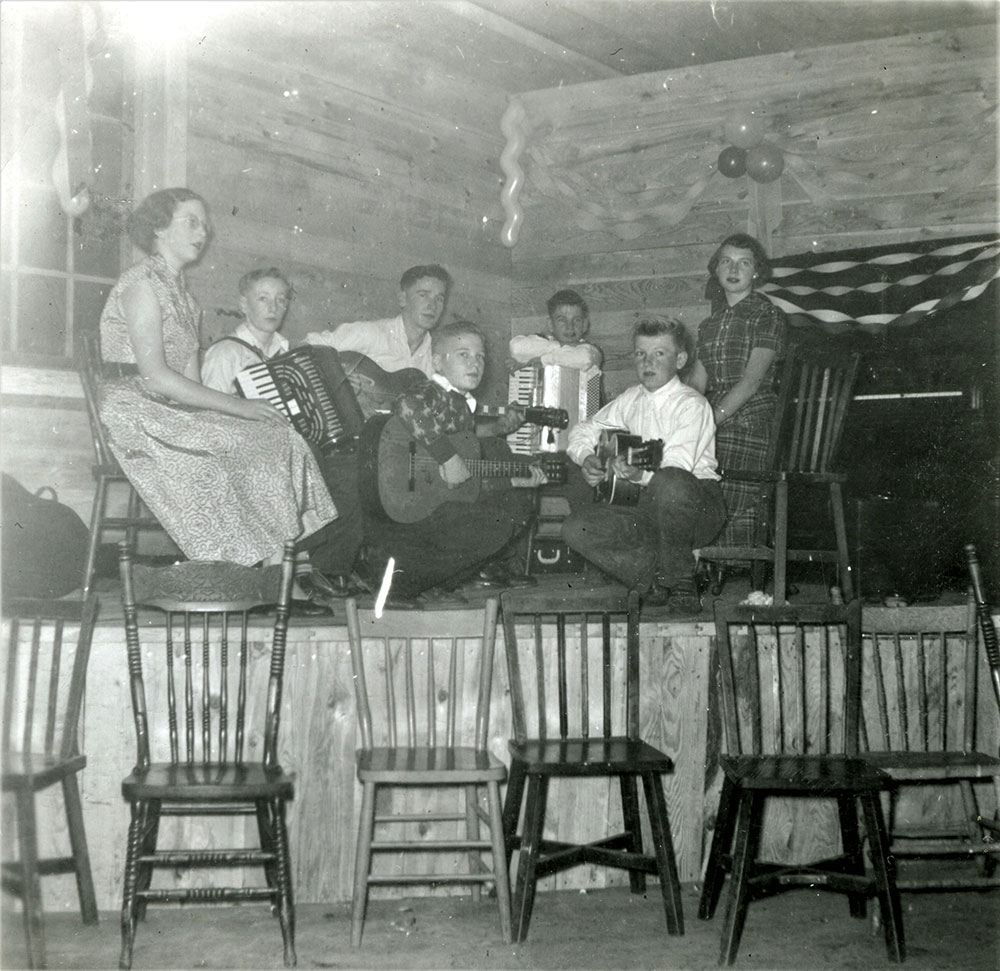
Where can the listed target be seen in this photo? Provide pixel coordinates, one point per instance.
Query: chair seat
(804, 773)
(589, 756)
(915, 766)
(221, 781)
(35, 770)
(433, 764)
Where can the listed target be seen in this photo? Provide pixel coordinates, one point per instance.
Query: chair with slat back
(423, 707)
(207, 742)
(991, 644)
(815, 391)
(45, 671)
(921, 725)
(790, 687)
(107, 472)
(573, 668)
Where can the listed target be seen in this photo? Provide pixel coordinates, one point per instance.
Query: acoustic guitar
(645, 455)
(401, 481)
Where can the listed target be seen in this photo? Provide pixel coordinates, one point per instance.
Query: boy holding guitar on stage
(438, 414)
(647, 540)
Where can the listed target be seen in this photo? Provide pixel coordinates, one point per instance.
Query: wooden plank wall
(344, 163)
(622, 200)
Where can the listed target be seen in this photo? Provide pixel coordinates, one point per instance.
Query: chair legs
(31, 890)
(129, 916)
(362, 862)
(500, 866)
(742, 810)
(663, 844)
(633, 828)
(527, 862)
(78, 846)
(286, 903)
(516, 776)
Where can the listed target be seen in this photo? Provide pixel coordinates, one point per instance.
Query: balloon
(765, 163)
(744, 131)
(732, 162)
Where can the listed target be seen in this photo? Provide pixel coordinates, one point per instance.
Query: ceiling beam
(486, 18)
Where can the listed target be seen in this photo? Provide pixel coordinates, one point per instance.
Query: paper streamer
(512, 126)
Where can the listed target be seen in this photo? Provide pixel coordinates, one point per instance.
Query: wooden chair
(200, 719)
(423, 714)
(574, 686)
(992, 647)
(815, 388)
(790, 680)
(107, 472)
(920, 724)
(48, 647)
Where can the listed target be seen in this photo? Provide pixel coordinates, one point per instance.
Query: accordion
(309, 385)
(552, 386)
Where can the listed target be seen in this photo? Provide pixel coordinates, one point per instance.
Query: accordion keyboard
(552, 386)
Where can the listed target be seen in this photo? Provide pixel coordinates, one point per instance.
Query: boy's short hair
(566, 298)
(271, 273)
(456, 328)
(415, 273)
(653, 325)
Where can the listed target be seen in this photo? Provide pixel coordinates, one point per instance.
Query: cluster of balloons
(748, 153)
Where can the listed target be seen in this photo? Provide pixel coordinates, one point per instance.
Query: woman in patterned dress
(228, 478)
(738, 347)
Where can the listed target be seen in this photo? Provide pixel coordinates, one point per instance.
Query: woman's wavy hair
(761, 264)
(156, 212)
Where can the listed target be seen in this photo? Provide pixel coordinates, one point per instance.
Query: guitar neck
(496, 469)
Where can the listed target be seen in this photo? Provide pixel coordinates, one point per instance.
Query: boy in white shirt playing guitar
(647, 542)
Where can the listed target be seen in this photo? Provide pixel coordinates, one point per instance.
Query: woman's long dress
(725, 340)
(224, 488)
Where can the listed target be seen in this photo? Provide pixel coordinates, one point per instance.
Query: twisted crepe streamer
(512, 126)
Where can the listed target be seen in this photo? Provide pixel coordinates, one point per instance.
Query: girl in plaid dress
(738, 347)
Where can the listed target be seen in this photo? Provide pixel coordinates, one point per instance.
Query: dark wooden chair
(574, 684)
(423, 707)
(991, 644)
(107, 472)
(207, 745)
(45, 671)
(815, 388)
(790, 680)
(920, 724)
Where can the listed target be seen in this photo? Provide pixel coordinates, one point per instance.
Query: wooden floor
(603, 929)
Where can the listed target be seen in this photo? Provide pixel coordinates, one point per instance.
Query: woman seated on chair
(228, 478)
(738, 346)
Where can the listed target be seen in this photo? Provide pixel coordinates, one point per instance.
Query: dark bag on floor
(44, 543)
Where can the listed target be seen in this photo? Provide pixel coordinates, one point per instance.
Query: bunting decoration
(878, 287)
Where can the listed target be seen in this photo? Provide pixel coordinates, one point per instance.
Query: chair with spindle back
(790, 680)
(921, 725)
(107, 472)
(48, 648)
(573, 669)
(815, 388)
(197, 721)
(991, 644)
(423, 714)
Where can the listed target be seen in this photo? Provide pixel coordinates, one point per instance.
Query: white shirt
(384, 341)
(579, 357)
(225, 359)
(675, 413)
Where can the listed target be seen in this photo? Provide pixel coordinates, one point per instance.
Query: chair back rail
(88, 361)
(815, 391)
(422, 691)
(991, 643)
(45, 671)
(182, 707)
(789, 678)
(922, 664)
(578, 663)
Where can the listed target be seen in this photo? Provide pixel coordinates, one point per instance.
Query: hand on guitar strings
(537, 478)
(455, 471)
(621, 468)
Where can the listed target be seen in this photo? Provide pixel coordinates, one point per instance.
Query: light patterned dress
(224, 488)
